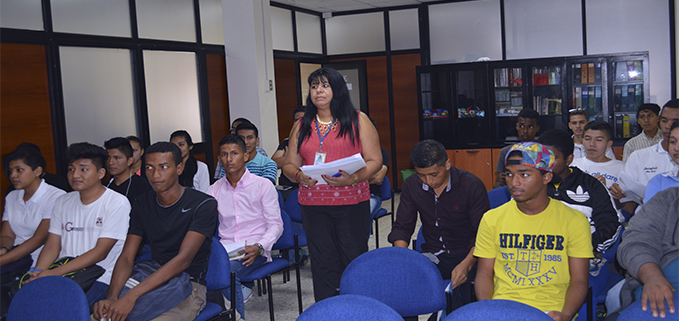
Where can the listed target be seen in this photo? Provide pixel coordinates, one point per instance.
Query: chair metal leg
(259, 288)
(268, 285)
(233, 295)
(377, 234)
(264, 284)
(299, 283)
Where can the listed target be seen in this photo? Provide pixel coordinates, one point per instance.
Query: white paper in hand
(349, 164)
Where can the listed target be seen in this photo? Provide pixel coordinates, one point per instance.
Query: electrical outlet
(270, 84)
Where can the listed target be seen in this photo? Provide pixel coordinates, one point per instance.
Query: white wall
(355, 33)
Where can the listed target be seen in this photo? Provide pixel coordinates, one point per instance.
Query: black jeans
(336, 235)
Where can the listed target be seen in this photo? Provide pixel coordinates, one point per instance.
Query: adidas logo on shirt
(579, 195)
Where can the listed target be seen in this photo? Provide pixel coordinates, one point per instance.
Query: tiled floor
(285, 295)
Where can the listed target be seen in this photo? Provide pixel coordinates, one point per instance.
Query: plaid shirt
(639, 142)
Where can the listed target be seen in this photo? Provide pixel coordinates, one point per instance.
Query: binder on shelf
(578, 98)
(630, 98)
(638, 96)
(577, 74)
(583, 75)
(599, 104)
(590, 73)
(597, 73)
(625, 126)
(617, 98)
(592, 101)
(585, 98)
(624, 100)
(620, 71)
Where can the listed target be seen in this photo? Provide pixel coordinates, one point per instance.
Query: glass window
(211, 22)
(98, 94)
(169, 20)
(404, 29)
(355, 33)
(94, 17)
(465, 31)
(172, 94)
(309, 33)
(21, 14)
(534, 31)
(281, 29)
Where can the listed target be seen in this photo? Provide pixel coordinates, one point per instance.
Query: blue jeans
(97, 292)
(241, 271)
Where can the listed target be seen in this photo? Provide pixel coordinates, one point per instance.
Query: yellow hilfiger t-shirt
(531, 252)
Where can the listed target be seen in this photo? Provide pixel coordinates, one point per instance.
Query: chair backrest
(497, 310)
(281, 200)
(49, 298)
(292, 207)
(349, 307)
(401, 278)
(287, 239)
(218, 268)
(499, 196)
(386, 189)
(420, 241)
(635, 313)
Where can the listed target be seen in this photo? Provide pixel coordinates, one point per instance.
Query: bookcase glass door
(628, 94)
(436, 106)
(547, 93)
(508, 99)
(588, 85)
(472, 110)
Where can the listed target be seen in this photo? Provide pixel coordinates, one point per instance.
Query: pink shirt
(248, 212)
(336, 147)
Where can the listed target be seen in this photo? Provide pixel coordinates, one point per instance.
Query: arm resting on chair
(657, 289)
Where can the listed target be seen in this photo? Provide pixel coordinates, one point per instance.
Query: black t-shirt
(132, 187)
(166, 227)
(282, 179)
(374, 188)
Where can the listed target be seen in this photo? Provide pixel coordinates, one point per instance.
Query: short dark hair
(184, 134)
(242, 120)
(558, 139)
(165, 147)
(121, 144)
(528, 113)
(672, 103)
(602, 126)
(675, 124)
(577, 112)
(232, 139)
(136, 139)
(299, 109)
(654, 108)
(94, 153)
(428, 153)
(29, 155)
(247, 126)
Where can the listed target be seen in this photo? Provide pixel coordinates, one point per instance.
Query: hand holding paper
(348, 165)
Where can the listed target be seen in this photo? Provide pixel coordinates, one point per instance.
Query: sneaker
(247, 293)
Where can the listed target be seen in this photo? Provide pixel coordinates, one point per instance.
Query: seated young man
(123, 180)
(533, 249)
(257, 164)
(669, 179)
(647, 118)
(89, 223)
(576, 122)
(645, 163)
(450, 203)
(527, 126)
(179, 224)
(597, 138)
(248, 211)
(649, 253)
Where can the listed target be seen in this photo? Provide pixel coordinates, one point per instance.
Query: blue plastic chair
(292, 208)
(497, 310)
(412, 285)
(49, 298)
(499, 196)
(219, 276)
(288, 240)
(349, 307)
(635, 313)
(387, 194)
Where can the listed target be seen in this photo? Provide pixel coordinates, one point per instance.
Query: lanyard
(318, 130)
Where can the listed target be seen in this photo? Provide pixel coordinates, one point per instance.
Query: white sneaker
(247, 293)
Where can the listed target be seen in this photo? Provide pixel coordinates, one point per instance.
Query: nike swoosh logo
(184, 210)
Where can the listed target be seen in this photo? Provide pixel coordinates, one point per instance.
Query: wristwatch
(261, 249)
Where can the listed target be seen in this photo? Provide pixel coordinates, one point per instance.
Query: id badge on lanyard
(320, 155)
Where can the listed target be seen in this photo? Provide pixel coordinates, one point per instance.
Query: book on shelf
(592, 101)
(597, 73)
(516, 77)
(577, 74)
(638, 96)
(630, 98)
(625, 126)
(585, 98)
(516, 99)
(617, 98)
(598, 103)
(583, 75)
(578, 98)
(590, 72)
(620, 71)
(624, 99)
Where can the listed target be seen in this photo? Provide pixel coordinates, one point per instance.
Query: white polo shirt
(24, 217)
(640, 167)
(610, 170)
(579, 151)
(80, 226)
